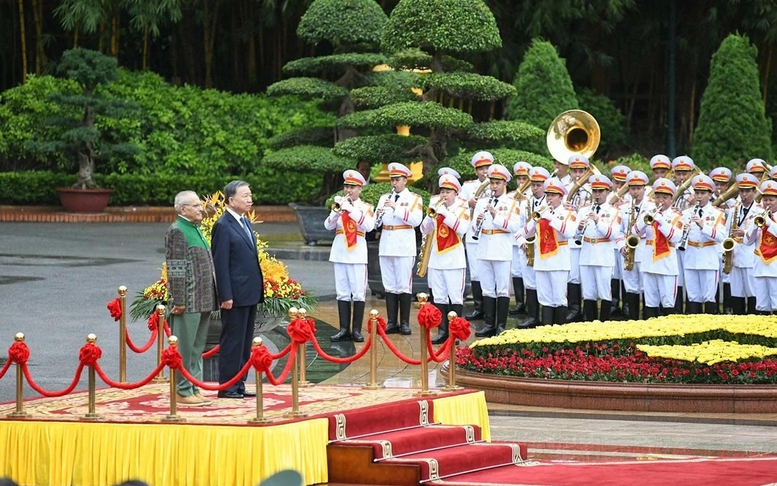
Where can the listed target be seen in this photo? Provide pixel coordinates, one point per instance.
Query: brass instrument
(760, 220)
(685, 185)
(651, 217)
(619, 194)
(382, 209)
(529, 250)
(580, 182)
(763, 179)
(729, 243)
(426, 243)
(573, 132)
(732, 191)
(684, 240)
(483, 190)
(518, 194)
(537, 215)
(632, 240)
(479, 226)
(337, 206)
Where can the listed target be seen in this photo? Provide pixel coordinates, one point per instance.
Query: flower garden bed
(674, 363)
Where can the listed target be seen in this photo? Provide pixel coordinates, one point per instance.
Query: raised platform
(128, 214)
(216, 445)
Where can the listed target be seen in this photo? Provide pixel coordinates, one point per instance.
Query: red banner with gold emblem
(660, 244)
(447, 239)
(349, 230)
(767, 247)
(548, 241)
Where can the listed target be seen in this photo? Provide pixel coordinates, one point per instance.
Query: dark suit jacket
(238, 275)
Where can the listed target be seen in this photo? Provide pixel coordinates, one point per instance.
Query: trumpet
(760, 220)
(537, 215)
(684, 240)
(432, 211)
(337, 206)
(382, 209)
(651, 217)
(479, 227)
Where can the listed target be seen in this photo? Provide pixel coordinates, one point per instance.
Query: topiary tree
(732, 122)
(543, 87)
(79, 135)
(425, 36)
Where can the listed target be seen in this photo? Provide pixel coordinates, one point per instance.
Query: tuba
(684, 186)
(573, 132)
(726, 195)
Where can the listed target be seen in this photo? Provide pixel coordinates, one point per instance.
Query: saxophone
(426, 242)
(632, 240)
(729, 243)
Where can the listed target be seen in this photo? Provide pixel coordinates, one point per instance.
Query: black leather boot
(520, 307)
(650, 312)
(574, 295)
(633, 303)
(727, 309)
(615, 288)
(477, 298)
(737, 306)
(405, 301)
(693, 308)
(502, 310)
(560, 315)
(344, 313)
(751, 305)
(666, 312)
(589, 310)
(358, 317)
(458, 309)
(711, 308)
(489, 317)
(442, 330)
(532, 311)
(392, 313)
(679, 300)
(547, 315)
(604, 311)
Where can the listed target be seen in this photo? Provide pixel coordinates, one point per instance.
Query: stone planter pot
(84, 200)
(311, 223)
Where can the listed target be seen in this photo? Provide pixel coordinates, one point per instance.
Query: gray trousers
(191, 329)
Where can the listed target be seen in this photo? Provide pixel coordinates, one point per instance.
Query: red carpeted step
(463, 459)
(417, 440)
(391, 417)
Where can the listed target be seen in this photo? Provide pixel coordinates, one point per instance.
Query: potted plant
(79, 136)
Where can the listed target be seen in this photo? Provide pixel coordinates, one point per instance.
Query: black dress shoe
(392, 329)
(518, 309)
(248, 394)
(404, 329)
(440, 338)
(357, 337)
(230, 394)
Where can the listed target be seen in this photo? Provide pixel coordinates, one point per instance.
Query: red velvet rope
(145, 347)
(381, 325)
(18, 353)
(127, 386)
(153, 322)
(460, 329)
(114, 307)
(89, 354)
(429, 316)
(397, 352)
(221, 386)
(211, 352)
(5, 369)
(261, 359)
(334, 359)
(46, 393)
(285, 373)
(172, 358)
(301, 330)
(442, 352)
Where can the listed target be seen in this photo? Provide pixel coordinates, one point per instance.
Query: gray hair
(184, 197)
(231, 189)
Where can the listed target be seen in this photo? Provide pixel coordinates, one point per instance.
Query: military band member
(757, 167)
(536, 202)
(704, 229)
(521, 173)
(351, 221)
(639, 206)
(660, 165)
(447, 226)
(773, 173)
(497, 218)
(659, 265)
(578, 165)
(556, 225)
(481, 161)
(765, 239)
(721, 176)
(598, 228)
(619, 173)
(402, 211)
(561, 168)
(743, 300)
(683, 167)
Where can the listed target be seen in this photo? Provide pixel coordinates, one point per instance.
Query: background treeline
(619, 48)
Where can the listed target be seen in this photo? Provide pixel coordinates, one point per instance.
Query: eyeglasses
(196, 205)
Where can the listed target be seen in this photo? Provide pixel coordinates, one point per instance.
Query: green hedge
(268, 186)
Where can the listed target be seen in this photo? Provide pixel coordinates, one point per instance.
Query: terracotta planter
(84, 200)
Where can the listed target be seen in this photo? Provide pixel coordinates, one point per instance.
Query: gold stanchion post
(91, 413)
(424, 392)
(303, 382)
(452, 386)
(123, 335)
(373, 384)
(173, 416)
(260, 418)
(160, 345)
(295, 389)
(19, 412)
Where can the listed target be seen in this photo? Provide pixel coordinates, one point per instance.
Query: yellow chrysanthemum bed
(673, 349)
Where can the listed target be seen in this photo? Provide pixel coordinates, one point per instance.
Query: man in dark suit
(239, 283)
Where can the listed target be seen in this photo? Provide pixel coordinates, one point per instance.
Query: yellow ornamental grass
(674, 325)
(709, 352)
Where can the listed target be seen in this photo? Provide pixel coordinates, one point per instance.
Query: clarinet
(479, 227)
(684, 241)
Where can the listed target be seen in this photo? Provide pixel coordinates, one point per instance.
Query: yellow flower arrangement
(709, 352)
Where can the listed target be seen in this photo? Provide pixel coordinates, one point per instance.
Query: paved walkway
(56, 278)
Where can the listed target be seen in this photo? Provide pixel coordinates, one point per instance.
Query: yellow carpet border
(50, 453)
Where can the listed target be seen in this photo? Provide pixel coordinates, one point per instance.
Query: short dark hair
(231, 189)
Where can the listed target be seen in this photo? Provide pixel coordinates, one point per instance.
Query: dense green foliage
(512, 134)
(342, 22)
(612, 123)
(441, 25)
(308, 88)
(376, 149)
(307, 157)
(544, 88)
(732, 123)
(468, 86)
(268, 186)
(304, 136)
(335, 62)
(426, 114)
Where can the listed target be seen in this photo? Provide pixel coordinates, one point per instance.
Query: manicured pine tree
(732, 127)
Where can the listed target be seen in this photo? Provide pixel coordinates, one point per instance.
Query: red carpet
(745, 471)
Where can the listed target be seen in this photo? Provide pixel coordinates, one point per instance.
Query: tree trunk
(209, 20)
(40, 56)
(115, 26)
(86, 154)
(145, 48)
(23, 37)
(101, 40)
(767, 72)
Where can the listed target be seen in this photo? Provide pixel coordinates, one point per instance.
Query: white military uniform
(701, 260)
(741, 277)
(447, 267)
(350, 264)
(659, 266)
(764, 267)
(468, 190)
(597, 256)
(632, 279)
(397, 249)
(495, 245)
(552, 267)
